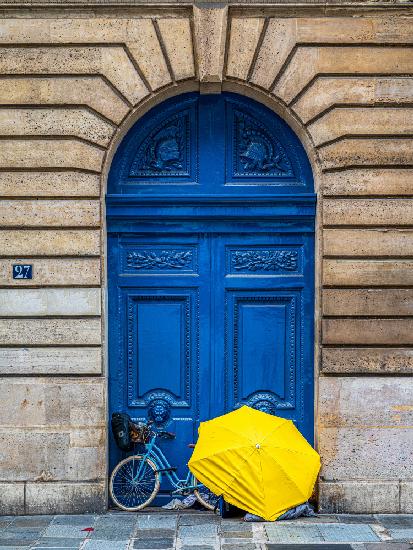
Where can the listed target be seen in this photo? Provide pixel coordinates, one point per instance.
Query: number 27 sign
(22, 271)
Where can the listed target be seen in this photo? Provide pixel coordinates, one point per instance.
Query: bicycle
(136, 480)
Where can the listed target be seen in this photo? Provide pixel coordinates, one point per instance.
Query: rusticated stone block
(210, 33)
(361, 423)
(364, 403)
(357, 453)
(53, 402)
(361, 211)
(367, 152)
(49, 184)
(354, 30)
(245, 33)
(309, 61)
(368, 273)
(50, 213)
(32, 332)
(38, 302)
(367, 302)
(53, 271)
(144, 46)
(79, 123)
(177, 38)
(65, 498)
(367, 361)
(406, 497)
(368, 331)
(345, 121)
(369, 181)
(46, 242)
(50, 361)
(327, 91)
(112, 62)
(55, 153)
(277, 44)
(91, 91)
(368, 242)
(11, 499)
(359, 497)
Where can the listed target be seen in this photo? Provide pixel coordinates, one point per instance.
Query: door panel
(162, 340)
(264, 282)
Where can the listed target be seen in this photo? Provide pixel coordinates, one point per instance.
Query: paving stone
(196, 531)
(402, 534)
(309, 546)
(157, 521)
(6, 520)
(236, 526)
(49, 542)
(16, 542)
(347, 533)
(201, 547)
(105, 545)
(15, 547)
(81, 519)
(32, 521)
(197, 519)
(357, 518)
(322, 518)
(237, 546)
(289, 534)
(394, 521)
(237, 534)
(387, 546)
(21, 533)
(153, 544)
(66, 531)
(154, 534)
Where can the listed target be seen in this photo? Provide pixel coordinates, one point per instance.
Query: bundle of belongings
(301, 511)
(126, 433)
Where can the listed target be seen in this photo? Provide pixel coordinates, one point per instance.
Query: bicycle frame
(154, 453)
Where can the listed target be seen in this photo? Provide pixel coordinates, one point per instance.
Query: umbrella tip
(257, 446)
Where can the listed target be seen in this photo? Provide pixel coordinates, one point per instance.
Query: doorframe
(288, 115)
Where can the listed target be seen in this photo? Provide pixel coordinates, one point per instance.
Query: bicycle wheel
(206, 497)
(133, 494)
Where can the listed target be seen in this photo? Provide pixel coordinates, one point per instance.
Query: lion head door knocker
(159, 411)
(264, 406)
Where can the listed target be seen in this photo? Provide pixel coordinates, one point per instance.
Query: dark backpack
(121, 430)
(227, 510)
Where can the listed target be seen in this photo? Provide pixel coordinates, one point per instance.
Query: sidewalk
(191, 530)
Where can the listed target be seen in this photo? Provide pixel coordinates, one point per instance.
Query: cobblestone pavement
(196, 530)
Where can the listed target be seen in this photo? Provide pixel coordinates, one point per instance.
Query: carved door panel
(263, 297)
(162, 355)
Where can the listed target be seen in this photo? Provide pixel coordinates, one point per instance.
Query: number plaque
(22, 271)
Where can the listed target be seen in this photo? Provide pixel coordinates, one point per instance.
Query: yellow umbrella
(258, 462)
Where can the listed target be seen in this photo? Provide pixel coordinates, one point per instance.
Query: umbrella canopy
(258, 462)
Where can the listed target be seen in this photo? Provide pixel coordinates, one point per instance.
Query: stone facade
(73, 80)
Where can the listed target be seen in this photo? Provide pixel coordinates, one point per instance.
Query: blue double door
(208, 321)
(211, 268)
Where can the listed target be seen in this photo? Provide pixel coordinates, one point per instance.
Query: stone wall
(72, 82)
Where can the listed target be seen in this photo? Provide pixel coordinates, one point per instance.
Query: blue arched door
(210, 211)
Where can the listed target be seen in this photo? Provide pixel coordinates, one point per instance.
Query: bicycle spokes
(134, 483)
